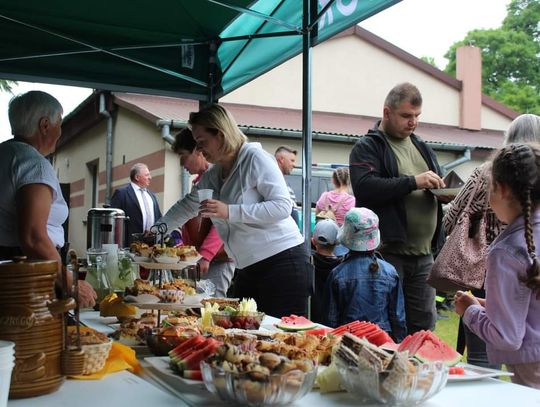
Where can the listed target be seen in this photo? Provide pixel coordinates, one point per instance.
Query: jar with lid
(96, 274)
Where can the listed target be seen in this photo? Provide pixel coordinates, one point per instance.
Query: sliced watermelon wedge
(319, 331)
(295, 323)
(433, 349)
(378, 338)
(428, 347)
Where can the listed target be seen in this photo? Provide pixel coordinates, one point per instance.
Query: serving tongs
(72, 358)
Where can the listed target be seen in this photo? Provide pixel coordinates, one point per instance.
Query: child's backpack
(329, 212)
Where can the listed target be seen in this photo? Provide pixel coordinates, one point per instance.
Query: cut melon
(434, 349)
(295, 323)
(427, 347)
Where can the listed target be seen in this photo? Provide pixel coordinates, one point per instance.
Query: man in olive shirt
(391, 170)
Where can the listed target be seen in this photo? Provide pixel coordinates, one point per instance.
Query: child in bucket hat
(364, 286)
(360, 231)
(324, 259)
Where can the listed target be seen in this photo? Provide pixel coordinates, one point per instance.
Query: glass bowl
(388, 387)
(242, 320)
(242, 389)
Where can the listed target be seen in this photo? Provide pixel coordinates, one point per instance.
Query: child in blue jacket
(364, 287)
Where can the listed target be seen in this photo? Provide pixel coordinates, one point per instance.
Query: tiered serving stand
(187, 269)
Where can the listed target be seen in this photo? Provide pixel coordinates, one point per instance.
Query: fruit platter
(244, 316)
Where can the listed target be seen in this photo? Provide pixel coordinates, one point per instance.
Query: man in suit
(137, 201)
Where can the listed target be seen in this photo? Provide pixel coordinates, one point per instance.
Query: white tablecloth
(125, 389)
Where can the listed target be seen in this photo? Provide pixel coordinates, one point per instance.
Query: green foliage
(524, 16)
(7, 86)
(510, 67)
(430, 60)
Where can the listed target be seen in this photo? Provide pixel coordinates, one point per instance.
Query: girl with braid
(508, 320)
(524, 129)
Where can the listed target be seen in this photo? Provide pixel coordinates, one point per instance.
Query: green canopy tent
(197, 49)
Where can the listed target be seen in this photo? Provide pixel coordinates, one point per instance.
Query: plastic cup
(5, 383)
(7, 349)
(205, 194)
(7, 352)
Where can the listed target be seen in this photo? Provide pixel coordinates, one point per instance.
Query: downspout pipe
(453, 164)
(109, 148)
(165, 126)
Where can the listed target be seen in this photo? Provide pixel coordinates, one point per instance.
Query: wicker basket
(95, 357)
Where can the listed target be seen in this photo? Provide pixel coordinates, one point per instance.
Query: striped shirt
(480, 175)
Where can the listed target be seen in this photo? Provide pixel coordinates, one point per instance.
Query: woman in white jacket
(251, 211)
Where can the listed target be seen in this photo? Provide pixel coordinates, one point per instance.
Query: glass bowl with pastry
(257, 378)
(372, 373)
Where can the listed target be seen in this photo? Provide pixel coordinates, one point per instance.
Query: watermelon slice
(193, 360)
(319, 331)
(414, 343)
(295, 323)
(433, 349)
(427, 347)
(192, 374)
(177, 353)
(378, 338)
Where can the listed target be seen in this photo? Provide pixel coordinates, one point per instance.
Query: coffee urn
(105, 226)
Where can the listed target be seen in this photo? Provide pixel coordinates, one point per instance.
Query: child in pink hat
(364, 287)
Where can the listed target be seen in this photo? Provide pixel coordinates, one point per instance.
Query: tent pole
(109, 147)
(306, 122)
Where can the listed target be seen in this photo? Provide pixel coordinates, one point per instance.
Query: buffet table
(152, 388)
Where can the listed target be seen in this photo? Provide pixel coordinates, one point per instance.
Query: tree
(7, 86)
(510, 57)
(430, 60)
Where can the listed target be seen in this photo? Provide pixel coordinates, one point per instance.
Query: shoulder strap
(341, 202)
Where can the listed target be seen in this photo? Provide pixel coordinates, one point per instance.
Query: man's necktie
(148, 223)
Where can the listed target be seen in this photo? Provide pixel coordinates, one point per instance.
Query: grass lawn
(447, 329)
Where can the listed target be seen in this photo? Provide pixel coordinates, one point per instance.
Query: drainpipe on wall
(108, 154)
(166, 135)
(453, 164)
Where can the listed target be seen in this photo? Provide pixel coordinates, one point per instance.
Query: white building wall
(87, 148)
(173, 180)
(352, 76)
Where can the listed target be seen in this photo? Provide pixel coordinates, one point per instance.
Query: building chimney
(469, 72)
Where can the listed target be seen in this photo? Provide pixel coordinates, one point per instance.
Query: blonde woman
(251, 210)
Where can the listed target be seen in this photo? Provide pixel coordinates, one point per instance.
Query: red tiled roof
(158, 107)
